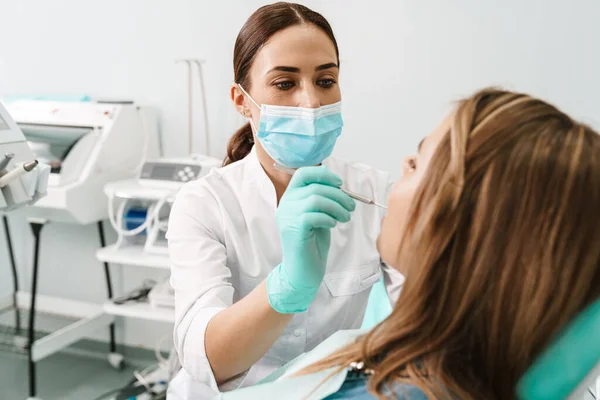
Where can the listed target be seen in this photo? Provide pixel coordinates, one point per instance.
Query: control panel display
(163, 172)
(170, 172)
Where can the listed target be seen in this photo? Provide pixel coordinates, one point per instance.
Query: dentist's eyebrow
(284, 69)
(420, 145)
(326, 66)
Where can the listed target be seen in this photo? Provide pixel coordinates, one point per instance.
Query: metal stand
(114, 358)
(109, 290)
(90, 316)
(15, 277)
(36, 228)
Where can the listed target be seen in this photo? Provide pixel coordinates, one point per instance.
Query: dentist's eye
(285, 85)
(411, 164)
(326, 83)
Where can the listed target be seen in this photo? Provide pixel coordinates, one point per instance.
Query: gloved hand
(309, 208)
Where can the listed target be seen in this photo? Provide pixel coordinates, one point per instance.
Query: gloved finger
(316, 203)
(330, 192)
(317, 220)
(307, 175)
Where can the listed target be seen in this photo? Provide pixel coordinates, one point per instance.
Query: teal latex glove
(310, 207)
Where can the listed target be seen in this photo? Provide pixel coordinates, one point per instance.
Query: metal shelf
(140, 310)
(14, 340)
(83, 319)
(132, 255)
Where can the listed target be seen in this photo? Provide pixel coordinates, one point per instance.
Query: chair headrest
(567, 362)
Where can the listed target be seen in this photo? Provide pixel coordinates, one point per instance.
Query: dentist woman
(247, 299)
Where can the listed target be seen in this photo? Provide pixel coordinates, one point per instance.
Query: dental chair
(378, 306)
(568, 368)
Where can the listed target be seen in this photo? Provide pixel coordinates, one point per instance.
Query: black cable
(592, 393)
(105, 395)
(118, 390)
(111, 328)
(15, 275)
(132, 391)
(36, 228)
(129, 390)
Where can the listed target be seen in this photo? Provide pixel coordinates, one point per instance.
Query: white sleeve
(199, 274)
(392, 278)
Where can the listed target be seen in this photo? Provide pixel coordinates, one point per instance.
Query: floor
(80, 372)
(61, 376)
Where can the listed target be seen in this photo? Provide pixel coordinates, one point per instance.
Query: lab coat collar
(265, 186)
(261, 178)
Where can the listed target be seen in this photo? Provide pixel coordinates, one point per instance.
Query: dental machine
(57, 156)
(86, 145)
(139, 208)
(22, 179)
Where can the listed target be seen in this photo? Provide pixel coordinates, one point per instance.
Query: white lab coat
(223, 241)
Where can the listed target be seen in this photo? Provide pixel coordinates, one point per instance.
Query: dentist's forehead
(303, 47)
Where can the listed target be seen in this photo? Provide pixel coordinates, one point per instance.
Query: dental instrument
(4, 163)
(17, 172)
(355, 196)
(18, 189)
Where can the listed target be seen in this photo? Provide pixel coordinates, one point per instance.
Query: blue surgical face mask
(295, 136)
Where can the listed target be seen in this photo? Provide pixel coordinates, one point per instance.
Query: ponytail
(239, 145)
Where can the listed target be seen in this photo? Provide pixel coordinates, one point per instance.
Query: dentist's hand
(310, 207)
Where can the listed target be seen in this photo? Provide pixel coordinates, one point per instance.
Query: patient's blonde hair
(502, 250)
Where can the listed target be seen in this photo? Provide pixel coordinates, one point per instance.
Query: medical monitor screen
(163, 173)
(3, 125)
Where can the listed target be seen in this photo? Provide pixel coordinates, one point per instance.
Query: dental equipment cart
(87, 144)
(139, 210)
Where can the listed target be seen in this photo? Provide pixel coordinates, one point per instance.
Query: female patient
(495, 225)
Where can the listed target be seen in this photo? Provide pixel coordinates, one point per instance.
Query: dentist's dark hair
(258, 29)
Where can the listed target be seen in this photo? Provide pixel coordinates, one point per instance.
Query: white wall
(402, 63)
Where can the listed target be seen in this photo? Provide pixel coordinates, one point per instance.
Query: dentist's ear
(239, 100)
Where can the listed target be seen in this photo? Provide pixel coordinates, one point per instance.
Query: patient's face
(413, 171)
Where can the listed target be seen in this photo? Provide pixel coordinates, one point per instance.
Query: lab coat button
(297, 333)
